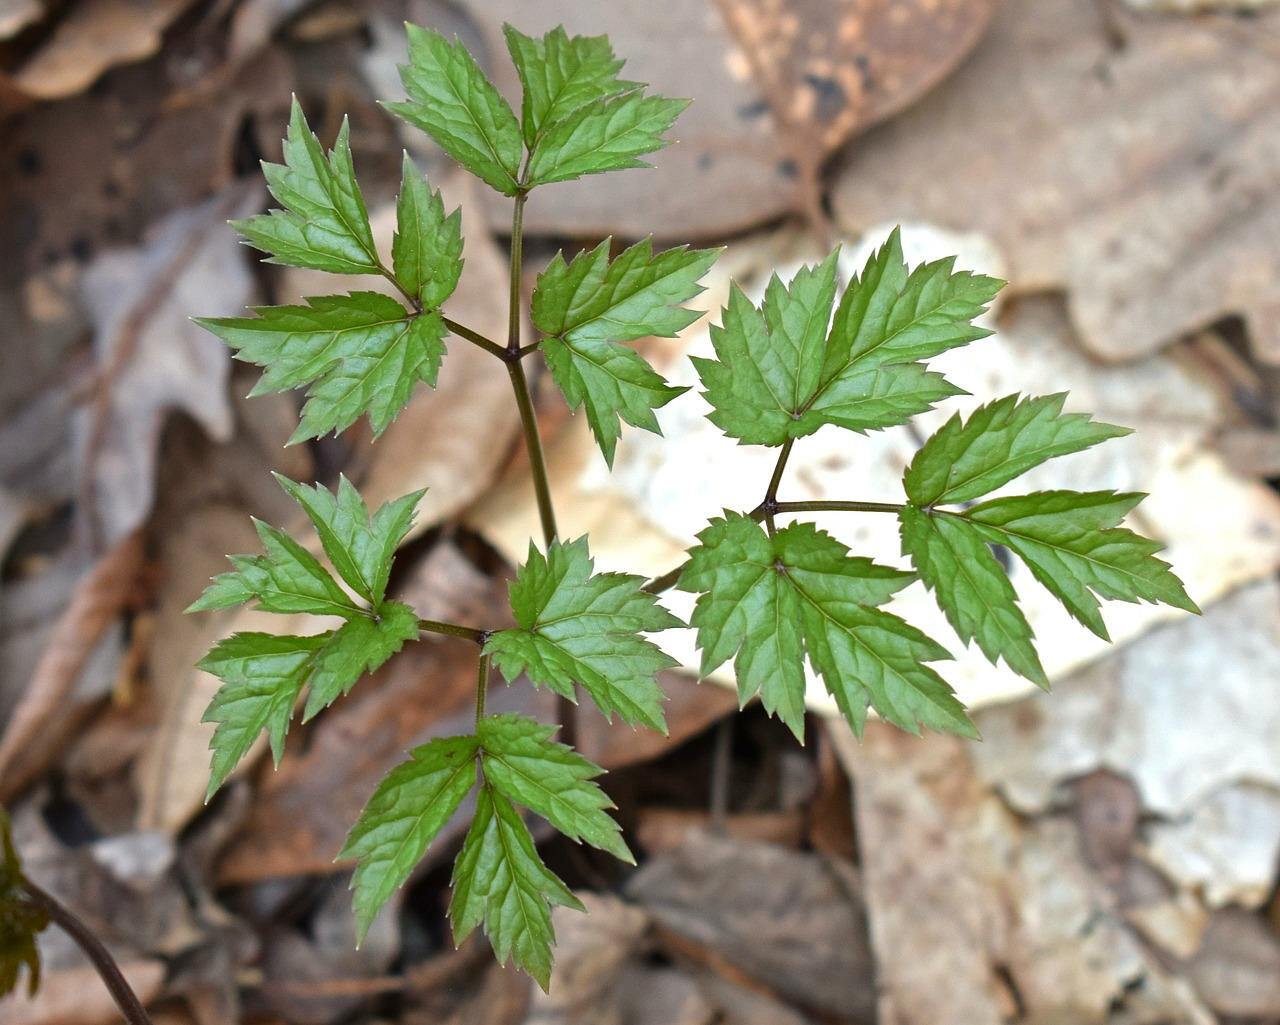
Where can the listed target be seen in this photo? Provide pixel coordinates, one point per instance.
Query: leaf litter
(1206, 831)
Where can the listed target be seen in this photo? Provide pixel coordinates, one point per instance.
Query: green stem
(877, 507)
(533, 445)
(461, 330)
(482, 686)
(453, 630)
(520, 382)
(770, 503)
(517, 258)
(476, 338)
(771, 492)
(659, 584)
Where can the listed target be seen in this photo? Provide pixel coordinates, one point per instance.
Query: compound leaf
(786, 368)
(426, 251)
(452, 101)
(971, 588)
(1070, 542)
(606, 135)
(405, 813)
(522, 762)
(499, 880)
(360, 353)
(324, 224)
(585, 628)
(262, 675)
(769, 601)
(1001, 440)
(360, 547)
(586, 307)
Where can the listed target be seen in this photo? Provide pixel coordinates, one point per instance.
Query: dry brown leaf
(152, 358)
(781, 918)
(1237, 969)
(1140, 178)
(94, 36)
(831, 70)
(776, 87)
(254, 22)
(1014, 921)
(94, 173)
(172, 774)
(95, 604)
(76, 996)
(15, 15)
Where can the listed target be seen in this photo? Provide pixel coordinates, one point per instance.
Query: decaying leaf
(97, 600)
(1140, 178)
(92, 38)
(830, 70)
(1015, 919)
(15, 15)
(776, 88)
(151, 358)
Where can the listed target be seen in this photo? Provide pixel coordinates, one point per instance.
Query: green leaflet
(426, 252)
(971, 588)
(523, 763)
(607, 135)
(560, 75)
(263, 674)
(1070, 542)
(262, 677)
(410, 806)
(585, 308)
(20, 920)
(290, 579)
(287, 579)
(360, 547)
(498, 877)
(324, 224)
(360, 353)
(787, 368)
(1001, 440)
(613, 382)
(357, 647)
(499, 880)
(452, 101)
(585, 628)
(769, 601)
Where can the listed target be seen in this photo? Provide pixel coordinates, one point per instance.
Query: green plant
(770, 595)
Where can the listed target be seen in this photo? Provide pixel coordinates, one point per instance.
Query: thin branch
(476, 338)
(126, 999)
(770, 504)
(454, 630)
(482, 686)
(760, 513)
(520, 382)
(409, 297)
(874, 507)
